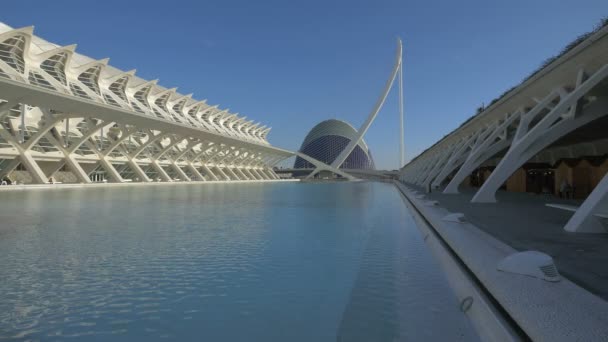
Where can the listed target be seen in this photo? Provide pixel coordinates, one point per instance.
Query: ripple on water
(272, 262)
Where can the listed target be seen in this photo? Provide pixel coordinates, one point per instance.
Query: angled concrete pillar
(209, 173)
(137, 169)
(251, 175)
(161, 172)
(30, 164)
(221, 173)
(426, 167)
(180, 172)
(76, 169)
(151, 140)
(257, 174)
(240, 173)
(8, 168)
(264, 174)
(125, 135)
(272, 174)
(488, 146)
(86, 136)
(592, 215)
(438, 165)
(50, 169)
(231, 173)
(197, 175)
(111, 170)
(528, 141)
(456, 158)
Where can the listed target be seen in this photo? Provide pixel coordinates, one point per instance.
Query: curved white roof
(333, 127)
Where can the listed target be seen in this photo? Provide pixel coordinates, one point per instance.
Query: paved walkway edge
(27, 187)
(545, 311)
(487, 320)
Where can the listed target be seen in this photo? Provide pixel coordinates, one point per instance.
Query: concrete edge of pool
(103, 185)
(481, 310)
(550, 311)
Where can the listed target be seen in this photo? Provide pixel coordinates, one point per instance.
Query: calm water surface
(220, 262)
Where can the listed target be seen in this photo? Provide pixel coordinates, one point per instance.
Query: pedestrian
(562, 188)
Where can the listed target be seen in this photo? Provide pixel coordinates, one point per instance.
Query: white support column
(267, 173)
(418, 169)
(231, 173)
(137, 169)
(70, 160)
(111, 170)
(442, 158)
(8, 168)
(105, 164)
(209, 173)
(195, 172)
(426, 166)
(151, 140)
(472, 163)
(528, 141)
(240, 173)
(167, 148)
(30, 164)
(252, 175)
(162, 173)
(589, 216)
(486, 147)
(180, 172)
(225, 161)
(80, 174)
(86, 136)
(248, 172)
(125, 135)
(256, 174)
(222, 174)
(189, 147)
(455, 160)
(261, 174)
(272, 174)
(51, 169)
(49, 125)
(26, 159)
(5, 108)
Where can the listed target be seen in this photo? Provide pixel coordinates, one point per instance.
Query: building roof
(333, 127)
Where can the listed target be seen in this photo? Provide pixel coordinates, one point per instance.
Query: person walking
(562, 188)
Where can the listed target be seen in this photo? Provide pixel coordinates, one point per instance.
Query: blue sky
(292, 64)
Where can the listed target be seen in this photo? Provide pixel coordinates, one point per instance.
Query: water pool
(220, 262)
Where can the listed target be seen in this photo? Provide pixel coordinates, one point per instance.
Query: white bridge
(555, 114)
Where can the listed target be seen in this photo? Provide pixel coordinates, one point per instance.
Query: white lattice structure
(523, 126)
(64, 115)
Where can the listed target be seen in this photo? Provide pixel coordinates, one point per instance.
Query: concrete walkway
(522, 221)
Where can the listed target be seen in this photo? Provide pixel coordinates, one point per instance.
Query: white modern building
(68, 118)
(545, 135)
(325, 142)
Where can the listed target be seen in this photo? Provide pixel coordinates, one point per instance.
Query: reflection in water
(268, 262)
